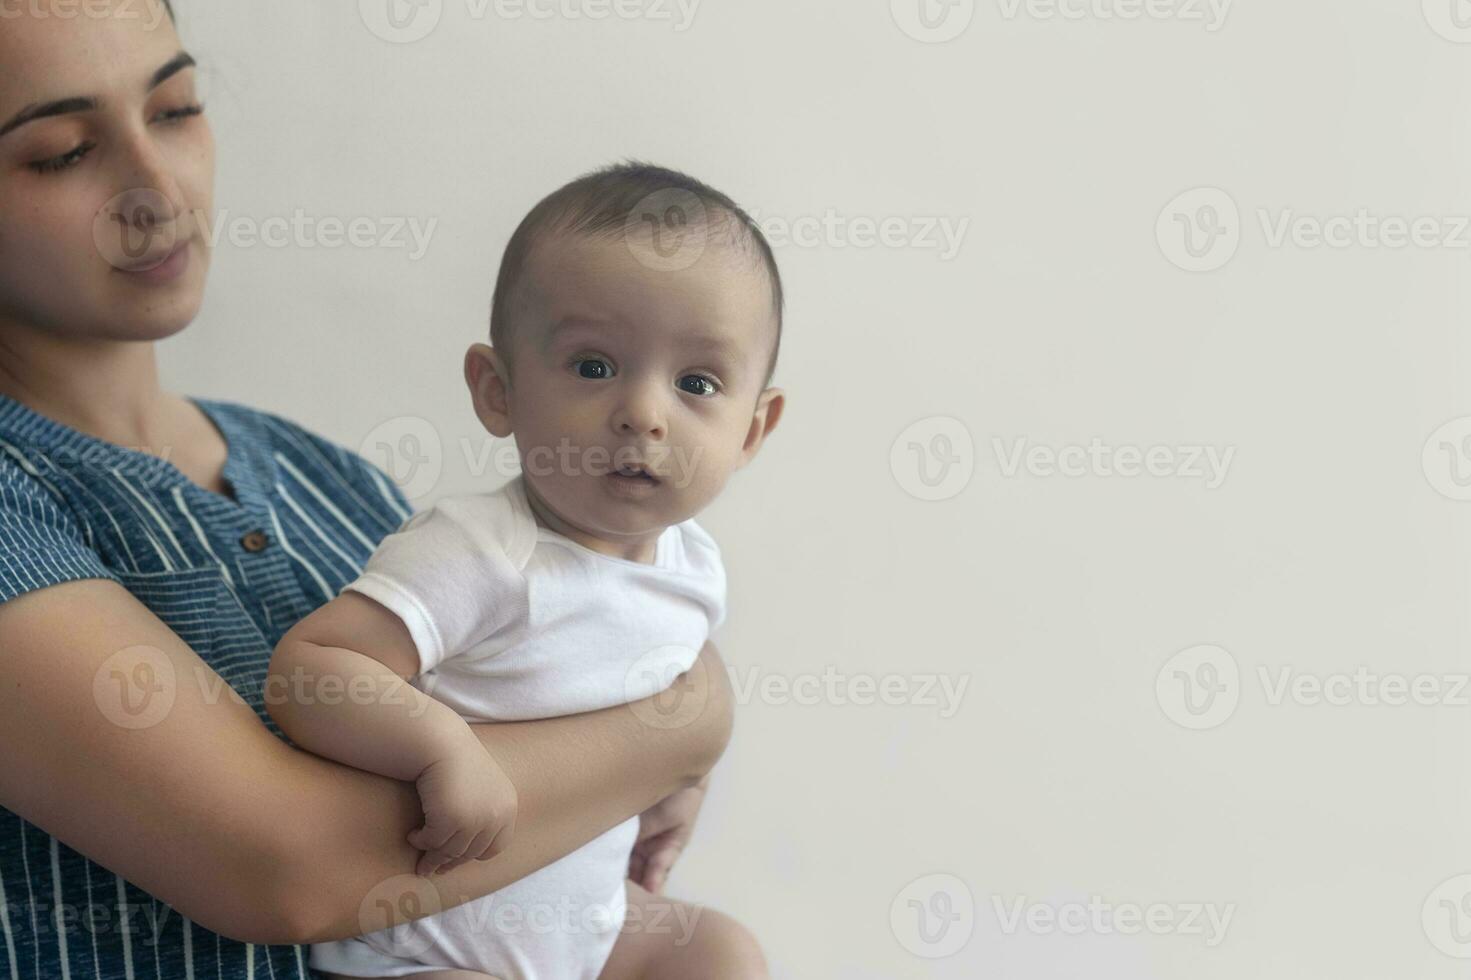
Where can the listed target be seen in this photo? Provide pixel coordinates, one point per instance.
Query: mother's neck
(106, 388)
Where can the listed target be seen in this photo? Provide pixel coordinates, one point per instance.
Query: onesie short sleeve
(453, 573)
(700, 556)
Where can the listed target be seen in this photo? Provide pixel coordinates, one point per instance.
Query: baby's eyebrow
(718, 347)
(725, 348)
(574, 322)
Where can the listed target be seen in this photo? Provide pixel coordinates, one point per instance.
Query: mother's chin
(145, 301)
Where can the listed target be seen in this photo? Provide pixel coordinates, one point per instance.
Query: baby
(634, 334)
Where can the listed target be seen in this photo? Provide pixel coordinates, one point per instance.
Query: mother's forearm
(592, 771)
(349, 863)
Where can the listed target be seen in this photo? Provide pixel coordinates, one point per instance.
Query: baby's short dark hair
(607, 201)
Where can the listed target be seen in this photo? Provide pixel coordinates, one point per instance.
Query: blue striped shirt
(230, 577)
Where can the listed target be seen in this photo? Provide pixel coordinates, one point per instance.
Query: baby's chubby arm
(337, 686)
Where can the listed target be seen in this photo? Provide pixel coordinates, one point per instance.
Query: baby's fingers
(500, 843)
(656, 869)
(477, 851)
(474, 851)
(636, 862)
(434, 860)
(431, 836)
(425, 867)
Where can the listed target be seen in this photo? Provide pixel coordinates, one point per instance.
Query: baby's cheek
(707, 471)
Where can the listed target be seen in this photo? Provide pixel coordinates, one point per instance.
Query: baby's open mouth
(634, 473)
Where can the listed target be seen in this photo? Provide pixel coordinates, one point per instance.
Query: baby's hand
(469, 810)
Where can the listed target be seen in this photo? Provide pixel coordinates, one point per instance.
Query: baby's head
(635, 326)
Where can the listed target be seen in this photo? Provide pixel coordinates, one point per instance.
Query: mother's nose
(149, 195)
(141, 224)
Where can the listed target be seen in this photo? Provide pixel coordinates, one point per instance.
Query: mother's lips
(153, 260)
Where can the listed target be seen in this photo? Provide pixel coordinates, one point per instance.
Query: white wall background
(1327, 830)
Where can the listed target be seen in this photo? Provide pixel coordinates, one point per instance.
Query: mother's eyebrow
(90, 103)
(175, 65)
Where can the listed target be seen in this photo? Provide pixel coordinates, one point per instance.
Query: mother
(156, 823)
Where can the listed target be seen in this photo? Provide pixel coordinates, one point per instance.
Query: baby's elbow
(286, 664)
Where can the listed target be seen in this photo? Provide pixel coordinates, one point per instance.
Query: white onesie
(515, 621)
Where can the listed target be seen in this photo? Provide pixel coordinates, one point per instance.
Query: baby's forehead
(716, 245)
(571, 273)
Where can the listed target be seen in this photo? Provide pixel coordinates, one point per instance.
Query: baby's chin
(625, 520)
(612, 513)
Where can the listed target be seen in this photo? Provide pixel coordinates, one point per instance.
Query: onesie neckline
(661, 560)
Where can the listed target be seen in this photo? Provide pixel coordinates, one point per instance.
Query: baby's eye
(593, 368)
(698, 384)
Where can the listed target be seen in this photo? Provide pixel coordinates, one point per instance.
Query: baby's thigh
(663, 939)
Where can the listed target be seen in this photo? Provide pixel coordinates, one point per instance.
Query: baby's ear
(769, 406)
(485, 376)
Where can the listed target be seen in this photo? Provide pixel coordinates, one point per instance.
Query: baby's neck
(641, 549)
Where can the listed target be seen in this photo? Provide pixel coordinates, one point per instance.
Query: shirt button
(255, 541)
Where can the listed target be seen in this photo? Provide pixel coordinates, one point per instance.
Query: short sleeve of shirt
(41, 544)
(702, 555)
(453, 574)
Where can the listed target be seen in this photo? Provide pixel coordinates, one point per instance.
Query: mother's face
(105, 167)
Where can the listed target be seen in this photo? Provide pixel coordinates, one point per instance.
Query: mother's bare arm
(209, 812)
